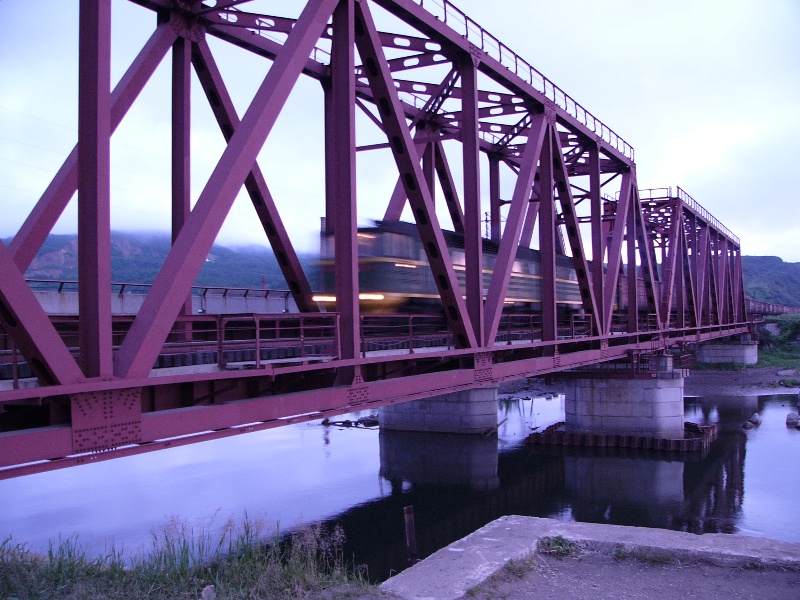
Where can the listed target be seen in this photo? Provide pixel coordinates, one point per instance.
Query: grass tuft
(557, 546)
(242, 562)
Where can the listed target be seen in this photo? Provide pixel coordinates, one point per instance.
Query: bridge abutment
(739, 350)
(466, 411)
(650, 406)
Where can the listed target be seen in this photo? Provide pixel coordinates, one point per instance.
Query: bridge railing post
(220, 341)
(302, 337)
(257, 324)
(14, 364)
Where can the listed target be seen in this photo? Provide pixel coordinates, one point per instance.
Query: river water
(361, 479)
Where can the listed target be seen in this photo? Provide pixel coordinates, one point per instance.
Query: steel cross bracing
(651, 269)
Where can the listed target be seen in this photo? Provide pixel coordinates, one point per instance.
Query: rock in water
(792, 420)
(755, 419)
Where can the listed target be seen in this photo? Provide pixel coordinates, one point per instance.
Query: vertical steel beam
(408, 163)
(572, 225)
(449, 189)
(429, 168)
(263, 203)
(538, 138)
(671, 262)
(647, 258)
(530, 217)
(736, 269)
(48, 209)
(688, 277)
(681, 291)
(181, 141)
(547, 240)
(633, 280)
(598, 234)
(473, 241)
(94, 198)
(615, 248)
(152, 325)
(340, 159)
(702, 272)
(495, 202)
(329, 117)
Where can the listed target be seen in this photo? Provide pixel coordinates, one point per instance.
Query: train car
(394, 276)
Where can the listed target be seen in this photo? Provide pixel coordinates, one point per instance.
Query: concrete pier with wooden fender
(649, 405)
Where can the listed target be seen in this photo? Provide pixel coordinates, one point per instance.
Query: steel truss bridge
(438, 90)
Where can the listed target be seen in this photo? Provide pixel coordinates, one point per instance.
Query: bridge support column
(648, 407)
(740, 350)
(469, 411)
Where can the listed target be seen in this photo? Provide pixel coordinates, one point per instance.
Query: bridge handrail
(694, 205)
(459, 22)
(768, 308)
(202, 290)
(698, 208)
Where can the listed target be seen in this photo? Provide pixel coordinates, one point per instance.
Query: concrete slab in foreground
(452, 571)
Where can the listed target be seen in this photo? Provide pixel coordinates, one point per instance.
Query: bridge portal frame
(572, 177)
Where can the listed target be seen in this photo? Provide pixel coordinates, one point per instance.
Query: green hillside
(770, 279)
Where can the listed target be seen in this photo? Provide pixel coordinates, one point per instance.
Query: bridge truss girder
(573, 181)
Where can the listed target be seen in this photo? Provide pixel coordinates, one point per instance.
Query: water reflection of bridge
(455, 493)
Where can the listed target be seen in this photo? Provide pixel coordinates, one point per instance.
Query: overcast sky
(706, 91)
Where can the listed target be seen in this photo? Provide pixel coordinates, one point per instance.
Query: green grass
(241, 563)
(785, 357)
(557, 546)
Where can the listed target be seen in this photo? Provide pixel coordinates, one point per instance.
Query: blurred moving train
(394, 276)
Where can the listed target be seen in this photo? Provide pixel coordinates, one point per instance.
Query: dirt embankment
(751, 381)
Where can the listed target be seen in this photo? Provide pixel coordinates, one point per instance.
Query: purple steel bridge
(611, 271)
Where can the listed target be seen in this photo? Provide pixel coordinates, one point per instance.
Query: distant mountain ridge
(137, 257)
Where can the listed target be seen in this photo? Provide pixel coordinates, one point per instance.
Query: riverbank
(527, 557)
(747, 381)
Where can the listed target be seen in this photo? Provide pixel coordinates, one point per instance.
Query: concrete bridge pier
(617, 404)
(737, 350)
(466, 411)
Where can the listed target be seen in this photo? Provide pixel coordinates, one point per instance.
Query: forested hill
(136, 258)
(769, 279)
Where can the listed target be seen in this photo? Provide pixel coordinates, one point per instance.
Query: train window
(458, 257)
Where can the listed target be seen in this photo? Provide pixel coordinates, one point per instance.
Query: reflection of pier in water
(447, 507)
(455, 492)
(717, 484)
(696, 493)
